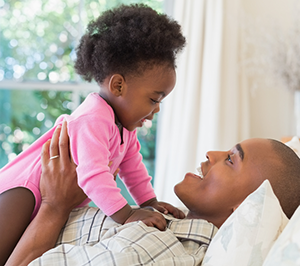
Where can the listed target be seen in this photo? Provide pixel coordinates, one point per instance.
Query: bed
(257, 233)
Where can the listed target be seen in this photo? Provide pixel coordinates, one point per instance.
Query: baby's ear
(116, 84)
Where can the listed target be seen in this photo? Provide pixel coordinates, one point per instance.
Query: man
(228, 178)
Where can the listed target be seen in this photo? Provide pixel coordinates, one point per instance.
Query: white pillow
(248, 234)
(286, 250)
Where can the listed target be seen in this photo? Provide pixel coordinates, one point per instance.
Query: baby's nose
(157, 109)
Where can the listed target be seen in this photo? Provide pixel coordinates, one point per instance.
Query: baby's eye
(229, 159)
(155, 101)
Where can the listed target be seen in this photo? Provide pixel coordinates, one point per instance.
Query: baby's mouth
(199, 169)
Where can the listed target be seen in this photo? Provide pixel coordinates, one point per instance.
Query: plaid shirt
(92, 238)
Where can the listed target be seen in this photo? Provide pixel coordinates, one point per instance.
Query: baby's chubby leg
(16, 207)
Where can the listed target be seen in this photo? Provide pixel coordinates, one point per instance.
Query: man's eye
(229, 159)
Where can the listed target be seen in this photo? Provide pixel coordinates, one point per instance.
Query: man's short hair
(285, 177)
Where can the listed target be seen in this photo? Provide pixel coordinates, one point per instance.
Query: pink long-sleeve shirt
(95, 141)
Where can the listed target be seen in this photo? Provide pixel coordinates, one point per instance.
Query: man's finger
(54, 142)
(45, 153)
(64, 144)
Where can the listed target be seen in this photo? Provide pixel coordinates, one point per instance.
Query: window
(37, 79)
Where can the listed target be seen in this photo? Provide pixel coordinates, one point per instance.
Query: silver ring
(53, 157)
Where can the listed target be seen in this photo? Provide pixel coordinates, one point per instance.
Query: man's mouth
(199, 169)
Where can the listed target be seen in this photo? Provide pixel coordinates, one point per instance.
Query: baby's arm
(164, 208)
(147, 216)
(135, 175)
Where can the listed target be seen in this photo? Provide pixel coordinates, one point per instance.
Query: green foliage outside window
(37, 43)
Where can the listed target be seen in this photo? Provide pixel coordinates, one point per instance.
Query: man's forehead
(259, 160)
(257, 148)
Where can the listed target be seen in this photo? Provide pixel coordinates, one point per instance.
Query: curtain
(208, 108)
(216, 103)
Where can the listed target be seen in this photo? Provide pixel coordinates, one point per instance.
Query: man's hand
(58, 183)
(60, 194)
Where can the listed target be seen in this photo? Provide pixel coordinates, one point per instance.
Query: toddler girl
(130, 52)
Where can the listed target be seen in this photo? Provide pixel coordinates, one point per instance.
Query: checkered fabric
(92, 238)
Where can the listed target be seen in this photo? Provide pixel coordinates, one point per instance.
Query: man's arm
(40, 236)
(60, 194)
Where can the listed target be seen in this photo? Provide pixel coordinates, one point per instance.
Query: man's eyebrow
(240, 150)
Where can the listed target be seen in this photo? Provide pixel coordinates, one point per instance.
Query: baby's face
(143, 94)
(228, 178)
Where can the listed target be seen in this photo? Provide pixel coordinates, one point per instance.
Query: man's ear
(116, 85)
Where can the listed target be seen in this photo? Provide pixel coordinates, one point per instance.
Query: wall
(271, 105)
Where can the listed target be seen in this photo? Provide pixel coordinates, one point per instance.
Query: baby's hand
(149, 218)
(168, 208)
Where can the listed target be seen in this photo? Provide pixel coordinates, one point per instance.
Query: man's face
(229, 177)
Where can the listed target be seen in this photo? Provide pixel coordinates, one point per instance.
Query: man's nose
(215, 156)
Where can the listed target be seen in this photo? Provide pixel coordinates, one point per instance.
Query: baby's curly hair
(126, 40)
